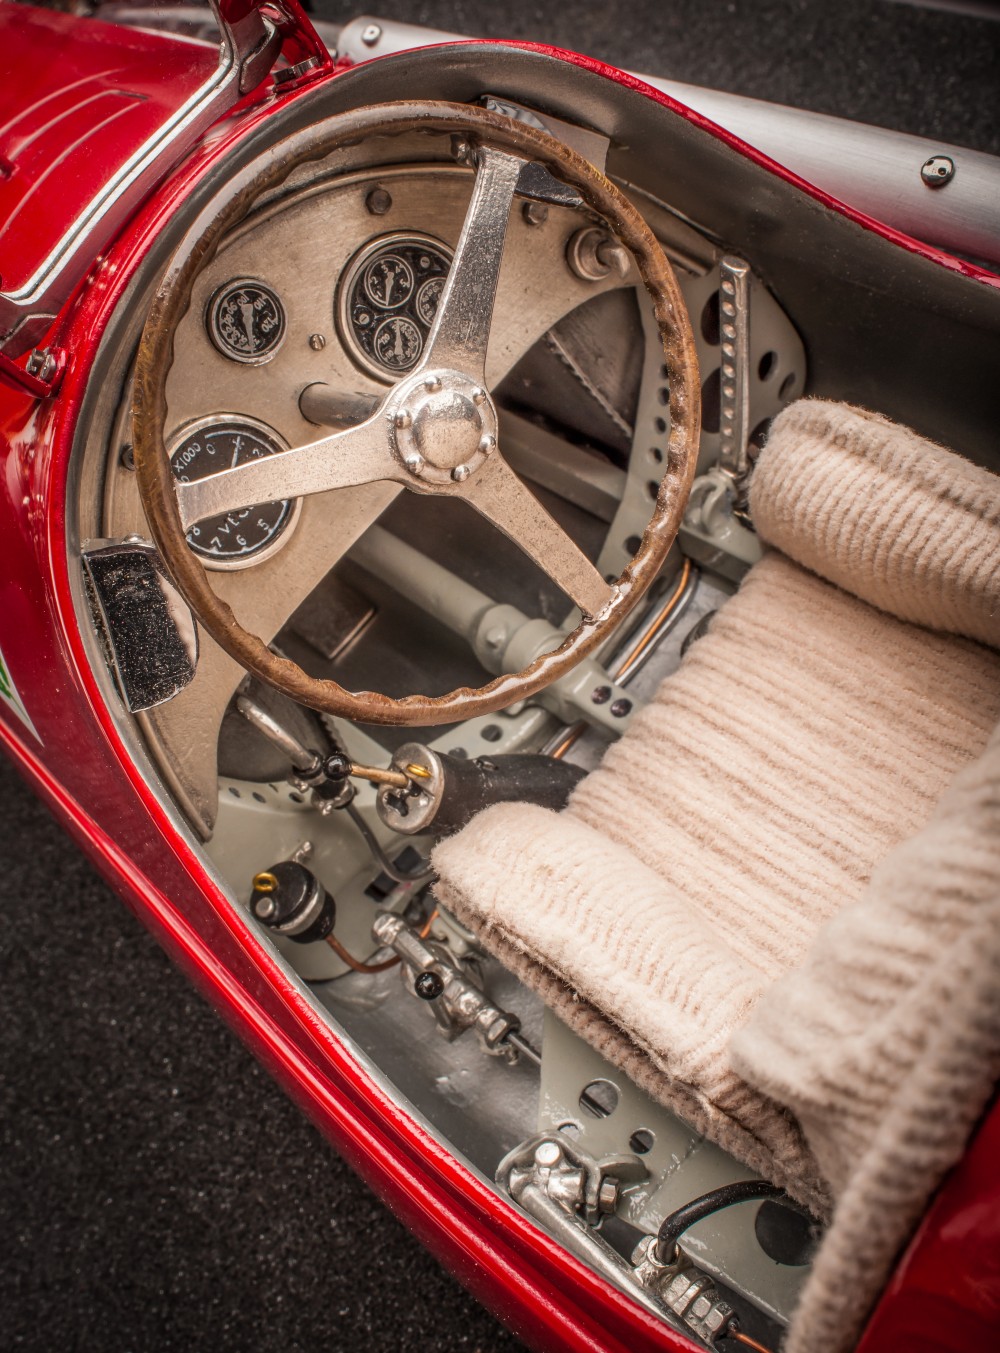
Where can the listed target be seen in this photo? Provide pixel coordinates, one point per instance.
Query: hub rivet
(487, 443)
(414, 463)
(432, 383)
(460, 473)
(403, 418)
(479, 395)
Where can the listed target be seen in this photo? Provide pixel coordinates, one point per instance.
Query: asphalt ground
(157, 1191)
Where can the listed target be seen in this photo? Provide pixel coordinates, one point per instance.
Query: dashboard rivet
(487, 443)
(432, 383)
(460, 473)
(414, 463)
(403, 418)
(378, 202)
(317, 342)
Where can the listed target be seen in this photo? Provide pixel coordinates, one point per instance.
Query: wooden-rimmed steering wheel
(436, 430)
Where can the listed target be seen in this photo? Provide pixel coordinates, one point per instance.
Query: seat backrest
(885, 514)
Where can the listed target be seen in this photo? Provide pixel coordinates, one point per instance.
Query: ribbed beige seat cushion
(806, 736)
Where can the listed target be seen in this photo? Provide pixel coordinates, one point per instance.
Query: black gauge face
(427, 299)
(398, 343)
(388, 281)
(246, 321)
(388, 299)
(233, 539)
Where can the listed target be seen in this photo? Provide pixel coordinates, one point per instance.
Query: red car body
(64, 135)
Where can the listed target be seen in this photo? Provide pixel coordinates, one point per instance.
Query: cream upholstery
(727, 908)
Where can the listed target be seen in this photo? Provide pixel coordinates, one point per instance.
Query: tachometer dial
(246, 321)
(387, 300)
(233, 539)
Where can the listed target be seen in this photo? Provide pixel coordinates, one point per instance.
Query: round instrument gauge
(244, 537)
(388, 281)
(246, 321)
(398, 343)
(387, 300)
(427, 299)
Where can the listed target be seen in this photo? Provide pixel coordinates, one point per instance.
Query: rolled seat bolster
(899, 522)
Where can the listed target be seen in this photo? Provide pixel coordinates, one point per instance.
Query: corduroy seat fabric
(698, 913)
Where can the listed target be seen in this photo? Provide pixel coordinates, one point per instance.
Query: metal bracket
(41, 374)
(457, 1003)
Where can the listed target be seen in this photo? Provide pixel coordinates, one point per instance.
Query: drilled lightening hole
(767, 366)
(599, 1098)
(710, 320)
(641, 1141)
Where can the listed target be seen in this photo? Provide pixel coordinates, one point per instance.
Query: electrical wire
(421, 875)
(355, 963)
(742, 1338)
(426, 929)
(673, 1226)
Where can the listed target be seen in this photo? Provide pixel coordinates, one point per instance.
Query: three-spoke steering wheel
(436, 431)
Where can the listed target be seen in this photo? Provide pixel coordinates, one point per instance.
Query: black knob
(290, 899)
(337, 767)
(428, 986)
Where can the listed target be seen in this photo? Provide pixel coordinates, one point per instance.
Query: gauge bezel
(186, 430)
(212, 326)
(350, 275)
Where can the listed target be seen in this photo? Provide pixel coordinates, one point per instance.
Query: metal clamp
(456, 1002)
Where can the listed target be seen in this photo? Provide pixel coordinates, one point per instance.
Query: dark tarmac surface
(157, 1191)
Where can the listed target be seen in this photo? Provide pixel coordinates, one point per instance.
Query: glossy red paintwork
(76, 102)
(946, 1285)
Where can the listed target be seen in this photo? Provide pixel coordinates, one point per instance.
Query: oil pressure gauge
(387, 300)
(232, 539)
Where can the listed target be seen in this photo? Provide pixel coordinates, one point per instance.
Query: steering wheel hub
(445, 426)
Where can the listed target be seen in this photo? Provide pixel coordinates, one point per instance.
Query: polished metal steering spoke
(360, 455)
(462, 327)
(496, 492)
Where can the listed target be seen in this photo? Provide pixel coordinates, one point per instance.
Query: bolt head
(378, 202)
(403, 418)
(937, 171)
(607, 1196)
(414, 463)
(460, 473)
(371, 33)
